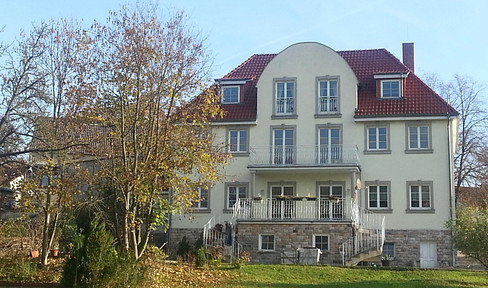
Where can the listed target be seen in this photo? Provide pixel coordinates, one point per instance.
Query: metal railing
(214, 234)
(369, 234)
(294, 209)
(316, 155)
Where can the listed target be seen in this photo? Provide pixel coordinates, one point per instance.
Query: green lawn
(325, 276)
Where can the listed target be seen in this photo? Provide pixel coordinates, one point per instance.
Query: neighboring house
(326, 144)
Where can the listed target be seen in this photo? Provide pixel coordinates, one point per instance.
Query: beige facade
(307, 146)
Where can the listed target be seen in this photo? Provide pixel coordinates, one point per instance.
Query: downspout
(452, 215)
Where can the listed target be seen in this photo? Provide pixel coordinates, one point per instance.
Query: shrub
(201, 258)
(183, 249)
(94, 262)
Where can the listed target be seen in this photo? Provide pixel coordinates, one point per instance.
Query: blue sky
(449, 36)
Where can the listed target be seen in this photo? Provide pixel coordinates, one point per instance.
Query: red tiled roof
(418, 100)
(251, 69)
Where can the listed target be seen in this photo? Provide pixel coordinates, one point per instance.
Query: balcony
(295, 209)
(304, 156)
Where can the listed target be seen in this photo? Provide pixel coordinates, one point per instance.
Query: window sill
(372, 152)
(328, 115)
(266, 251)
(419, 151)
(201, 211)
(290, 116)
(227, 211)
(240, 154)
(379, 210)
(420, 211)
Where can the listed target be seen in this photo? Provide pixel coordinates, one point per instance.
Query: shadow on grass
(362, 284)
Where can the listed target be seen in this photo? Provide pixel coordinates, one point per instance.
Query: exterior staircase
(368, 239)
(215, 234)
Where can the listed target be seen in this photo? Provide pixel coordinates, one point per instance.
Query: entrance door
(428, 255)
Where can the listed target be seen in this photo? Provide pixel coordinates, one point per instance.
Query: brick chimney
(408, 55)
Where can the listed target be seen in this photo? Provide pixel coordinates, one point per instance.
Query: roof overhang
(234, 81)
(403, 117)
(390, 75)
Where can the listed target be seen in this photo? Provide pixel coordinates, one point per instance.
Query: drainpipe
(451, 189)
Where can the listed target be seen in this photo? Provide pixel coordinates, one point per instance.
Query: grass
(165, 274)
(326, 276)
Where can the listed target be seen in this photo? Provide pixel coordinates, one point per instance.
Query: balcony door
(331, 204)
(282, 208)
(283, 146)
(329, 145)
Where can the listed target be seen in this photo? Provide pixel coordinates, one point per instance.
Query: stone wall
(176, 235)
(407, 246)
(291, 236)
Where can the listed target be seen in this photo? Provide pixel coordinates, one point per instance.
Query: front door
(428, 255)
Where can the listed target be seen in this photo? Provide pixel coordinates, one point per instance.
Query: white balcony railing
(318, 155)
(276, 209)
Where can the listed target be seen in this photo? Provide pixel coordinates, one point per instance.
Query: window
(328, 96)
(331, 202)
(377, 138)
(282, 190)
(418, 137)
(282, 209)
(321, 242)
(230, 95)
(391, 89)
(283, 146)
(266, 242)
(238, 140)
(235, 191)
(420, 196)
(329, 150)
(202, 202)
(285, 97)
(389, 250)
(378, 196)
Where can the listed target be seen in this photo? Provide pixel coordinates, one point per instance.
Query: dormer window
(230, 94)
(391, 89)
(390, 85)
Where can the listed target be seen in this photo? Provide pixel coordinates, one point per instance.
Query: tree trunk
(45, 237)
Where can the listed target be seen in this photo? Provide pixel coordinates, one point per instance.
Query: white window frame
(288, 101)
(198, 204)
(328, 98)
(223, 101)
(314, 243)
(285, 153)
(418, 128)
(329, 152)
(382, 82)
(421, 208)
(238, 144)
(261, 242)
(237, 186)
(378, 186)
(377, 138)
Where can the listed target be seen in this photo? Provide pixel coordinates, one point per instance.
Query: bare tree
(467, 97)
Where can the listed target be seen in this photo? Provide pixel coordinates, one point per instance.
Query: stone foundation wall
(176, 235)
(407, 246)
(289, 237)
